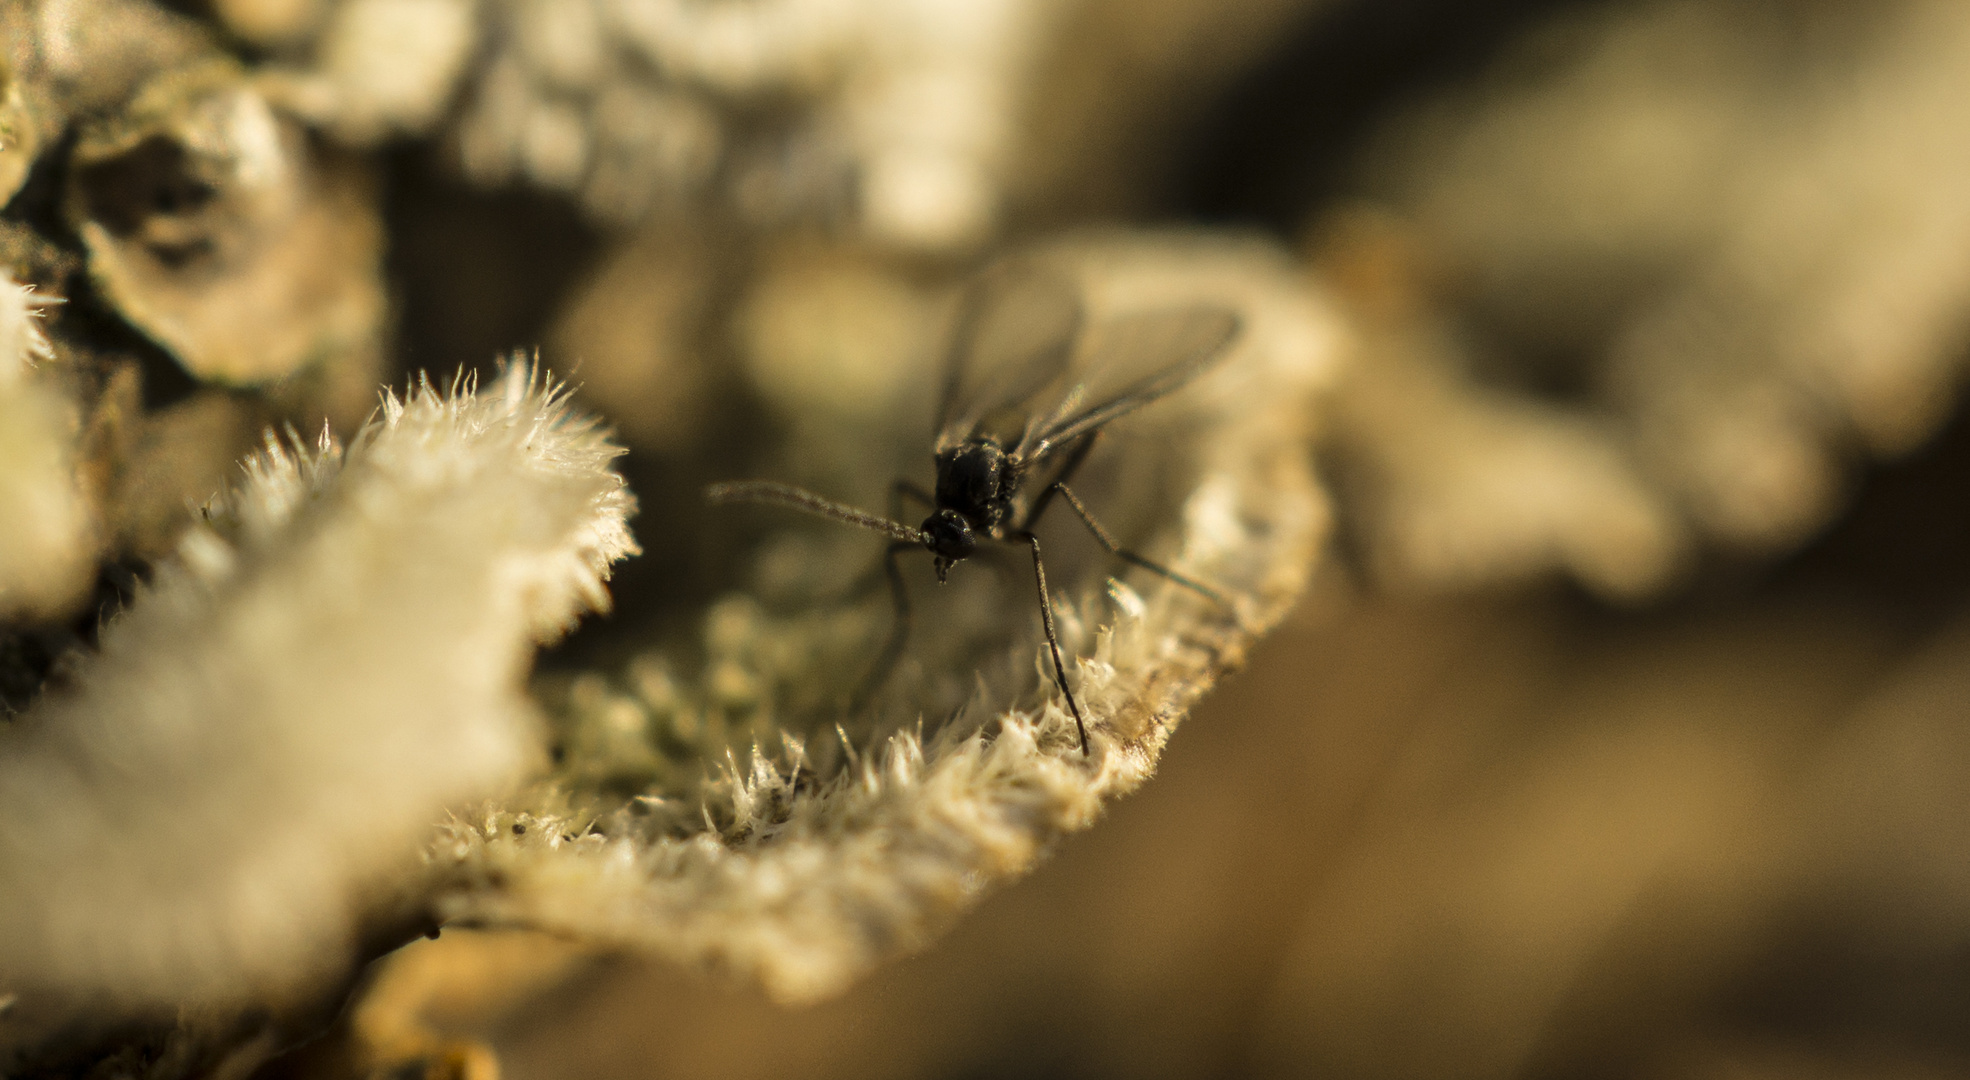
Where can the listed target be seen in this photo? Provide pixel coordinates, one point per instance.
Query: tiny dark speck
(519, 829)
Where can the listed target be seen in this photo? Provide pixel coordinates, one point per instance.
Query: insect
(1027, 388)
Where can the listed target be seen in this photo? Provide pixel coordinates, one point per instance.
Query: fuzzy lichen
(216, 229)
(334, 656)
(47, 550)
(891, 113)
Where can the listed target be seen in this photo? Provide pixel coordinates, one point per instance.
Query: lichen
(47, 554)
(263, 739)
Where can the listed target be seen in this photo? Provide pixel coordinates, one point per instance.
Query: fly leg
(899, 595)
(1059, 487)
(899, 631)
(1053, 640)
(1061, 475)
(1131, 557)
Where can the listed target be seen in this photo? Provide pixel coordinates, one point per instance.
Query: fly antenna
(768, 491)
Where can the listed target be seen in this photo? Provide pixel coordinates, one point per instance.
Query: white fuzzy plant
(237, 785)
(47, 544)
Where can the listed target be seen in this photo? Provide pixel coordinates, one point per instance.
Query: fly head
(949, 537)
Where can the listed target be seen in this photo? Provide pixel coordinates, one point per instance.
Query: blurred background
(1626, 728)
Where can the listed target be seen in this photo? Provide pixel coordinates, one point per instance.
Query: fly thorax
(972, 480)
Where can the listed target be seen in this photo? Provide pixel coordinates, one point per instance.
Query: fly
(1027, 389)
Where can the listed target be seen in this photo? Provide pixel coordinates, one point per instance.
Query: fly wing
(1130, 361)
(1015, 332)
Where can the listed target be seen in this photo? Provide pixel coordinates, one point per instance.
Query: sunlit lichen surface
(1585, 376)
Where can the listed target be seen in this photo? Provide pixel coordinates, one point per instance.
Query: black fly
(1026, 391)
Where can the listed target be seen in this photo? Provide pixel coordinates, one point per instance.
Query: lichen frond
(22, 341)
(218, 804)
(47, 541)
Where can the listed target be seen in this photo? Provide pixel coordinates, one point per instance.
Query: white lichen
(48, 540)
(216, 228)
(894, 114)
(381, 68)
(235, 787)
